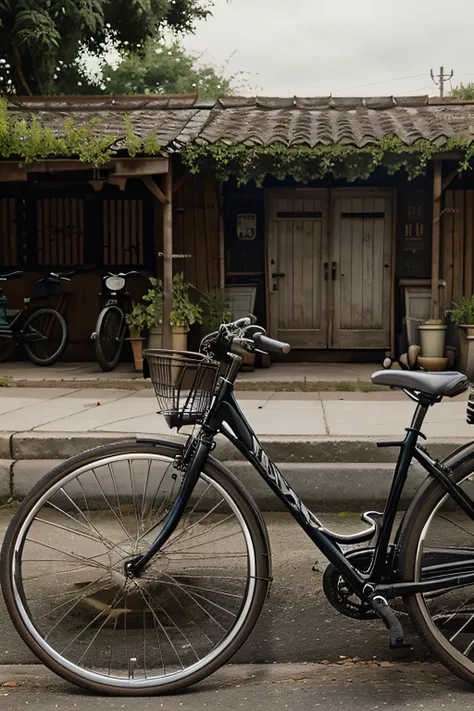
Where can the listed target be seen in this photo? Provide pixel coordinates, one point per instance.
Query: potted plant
(184, 313)
(154, 299)
(138, 320)
(462, 314)
(217, 310)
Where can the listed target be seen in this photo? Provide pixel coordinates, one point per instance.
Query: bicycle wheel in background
(46, 336)
(64, 582)
(437, 532)
(110, 335)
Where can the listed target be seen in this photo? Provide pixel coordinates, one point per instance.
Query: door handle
(278, 276)
(333, 271)
(326, 271)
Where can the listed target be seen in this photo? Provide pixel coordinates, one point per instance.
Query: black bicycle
(142, 567)
(41, 330)
(111, 326)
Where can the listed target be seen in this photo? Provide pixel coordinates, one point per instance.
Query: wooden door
(361, 269)
(297, 265)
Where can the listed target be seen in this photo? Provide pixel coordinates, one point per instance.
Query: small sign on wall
(246, 226)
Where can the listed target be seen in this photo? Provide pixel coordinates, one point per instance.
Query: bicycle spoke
(77, 600)
(164, 631)
(119, 520)
(189, 594)
(198, 535)
(147, 593)
(98, 632)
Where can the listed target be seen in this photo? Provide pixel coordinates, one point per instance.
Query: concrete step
(348, 487)
(304, 449)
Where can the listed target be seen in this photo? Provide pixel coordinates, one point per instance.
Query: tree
(160, 69)
(463, 92)
(40, 40)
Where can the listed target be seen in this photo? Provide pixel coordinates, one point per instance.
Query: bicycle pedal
(392, 623)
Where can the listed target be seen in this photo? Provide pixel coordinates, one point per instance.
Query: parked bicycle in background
(111, 326)
(41, 330)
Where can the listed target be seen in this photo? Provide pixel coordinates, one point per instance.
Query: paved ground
(300, 687)
(297, 372)
(301, 414)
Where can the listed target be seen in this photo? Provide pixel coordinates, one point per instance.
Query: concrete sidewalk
(270, 413)
(90, 374)
(323, 442)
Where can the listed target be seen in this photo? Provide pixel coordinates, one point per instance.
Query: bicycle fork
(203, 446)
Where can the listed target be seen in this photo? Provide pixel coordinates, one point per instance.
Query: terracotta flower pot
(155, 338)
(466, 350)
(180, 339)
(137, 350)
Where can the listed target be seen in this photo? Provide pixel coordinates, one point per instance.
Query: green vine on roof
(304, 164)
(30, 141)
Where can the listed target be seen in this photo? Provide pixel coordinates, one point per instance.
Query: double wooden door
(330, 267)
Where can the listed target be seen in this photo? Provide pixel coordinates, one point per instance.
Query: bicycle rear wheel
(436, 532)
(45, 333)
(62, 571)
(110, 334)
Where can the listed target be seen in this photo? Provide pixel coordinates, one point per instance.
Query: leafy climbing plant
(29, 140)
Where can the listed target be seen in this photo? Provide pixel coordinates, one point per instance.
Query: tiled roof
(178, 120)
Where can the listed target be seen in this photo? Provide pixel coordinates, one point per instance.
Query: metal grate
(8, 233)
(184, 384)
(123, 232)
(60, 231)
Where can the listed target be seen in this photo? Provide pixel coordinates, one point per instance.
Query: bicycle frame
(381, 577)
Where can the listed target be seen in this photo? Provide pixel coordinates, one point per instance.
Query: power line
(442, 78)
(384, 81)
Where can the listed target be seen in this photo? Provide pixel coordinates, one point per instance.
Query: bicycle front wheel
(110, 333)
(45, 336)
(64, 581)
(438, 541)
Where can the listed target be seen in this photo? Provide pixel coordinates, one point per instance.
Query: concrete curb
(324, 487)
(330, 473)
(61, 445)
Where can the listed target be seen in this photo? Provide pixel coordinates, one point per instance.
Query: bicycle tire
(256, 578)
(415, 530)
(38, 352)
(110, 335)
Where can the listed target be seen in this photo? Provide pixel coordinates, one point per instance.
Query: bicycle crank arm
(392, 623)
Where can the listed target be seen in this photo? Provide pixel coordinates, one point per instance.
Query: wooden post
(436, 239)
(221, 238)
(167, 259)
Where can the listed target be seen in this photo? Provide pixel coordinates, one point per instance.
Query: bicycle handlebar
(270, 345)
(244, 333)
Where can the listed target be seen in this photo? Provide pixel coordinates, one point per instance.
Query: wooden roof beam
(154, 189)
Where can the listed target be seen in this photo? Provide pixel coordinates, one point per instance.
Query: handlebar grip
(270, 345)
(242, 322)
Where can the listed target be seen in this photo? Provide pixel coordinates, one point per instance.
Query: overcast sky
(318, 47)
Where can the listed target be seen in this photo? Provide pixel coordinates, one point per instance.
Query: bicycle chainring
(341, 596)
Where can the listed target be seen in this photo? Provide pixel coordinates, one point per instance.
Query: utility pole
(442, 77)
